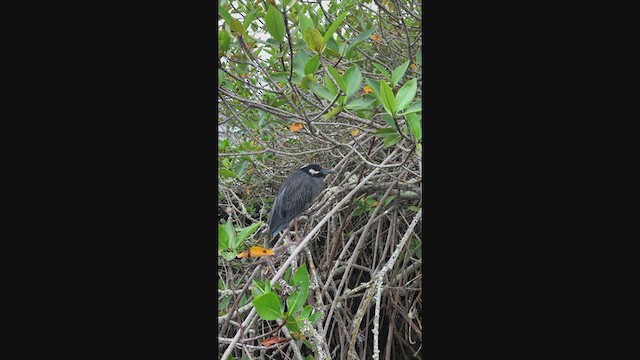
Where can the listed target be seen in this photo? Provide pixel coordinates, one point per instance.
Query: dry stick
(294, 346)
(376, 321)
(236, 302)
(354, 256)
(305, 241)
(319, 341)
(406, 32)
(379, 277)
(264, 107)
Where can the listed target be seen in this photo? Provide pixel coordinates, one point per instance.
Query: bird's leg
(295, 224)
(287, 236)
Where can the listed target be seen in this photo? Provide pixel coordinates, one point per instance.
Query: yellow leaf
(367, 89)
(375, 204)
(414, 67)
(295, 126)
(355, 132)
(248, 190)
(256, 251)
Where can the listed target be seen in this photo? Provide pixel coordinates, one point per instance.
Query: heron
(296, 195)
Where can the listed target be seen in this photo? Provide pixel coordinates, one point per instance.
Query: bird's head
(316, 170)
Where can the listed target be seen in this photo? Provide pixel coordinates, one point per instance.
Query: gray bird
(296, 195)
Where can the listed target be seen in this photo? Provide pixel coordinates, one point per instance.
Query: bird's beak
(327, 171)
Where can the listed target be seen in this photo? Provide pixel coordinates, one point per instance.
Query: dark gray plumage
(296, 195)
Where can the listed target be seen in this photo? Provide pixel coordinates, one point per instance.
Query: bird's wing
(294, 197)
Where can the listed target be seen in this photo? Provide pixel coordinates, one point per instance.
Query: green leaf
(268, 306)
(389, 200)
(229, 254)
(220, 77)
(223, 239)
(224, 14)
(231, 234)
(328, 83)
(414, 208)
(236, 27)
(275, 23)
(287, 275)
(353, 78)
(312, 65)
(391, 140)
(282, 77)
(249, 18)
(415, 107)
(222, 305)
(332, 47)
(388, 99)
(335, 111)
(304, 83)
(383, 71)
(359, 103)
(314, 41)
(292, 324)
(385, 132)
(415, 125)
(334, 26)
(313, 318)
(398, 73)
(361, 37)
(243, 301)
(419, 58)
(321, 91)
(406, 93)
(258, 288)
(304, 22)
(244, 233)
(301, 276)
(306, 312)
(297, 299)
(228, 173)
(299, 61)
(224, 42)
(336, 75)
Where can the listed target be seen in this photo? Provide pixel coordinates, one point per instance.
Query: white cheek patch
(313, 172)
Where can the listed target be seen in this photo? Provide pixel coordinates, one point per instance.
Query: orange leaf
(375, 37)
(355, 132)
(273, 340)
(367, 89)
(256, 251)
(295, 126)
(414, 67)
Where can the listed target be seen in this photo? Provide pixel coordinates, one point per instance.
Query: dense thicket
(336, 83)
